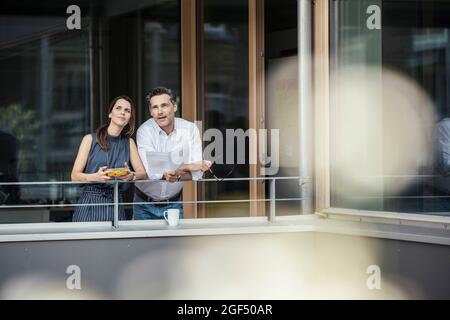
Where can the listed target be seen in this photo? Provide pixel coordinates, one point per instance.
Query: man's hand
(170, 176)
(203, 166)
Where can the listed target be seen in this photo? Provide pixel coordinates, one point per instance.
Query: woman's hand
(130, 176)
(100, 175)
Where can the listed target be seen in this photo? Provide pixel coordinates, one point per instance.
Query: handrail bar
(140, 181)
(116, 182)
(132, 203)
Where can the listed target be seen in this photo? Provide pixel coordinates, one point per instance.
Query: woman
(110, 147)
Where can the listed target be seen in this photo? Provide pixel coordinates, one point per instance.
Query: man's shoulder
(146, 125)
(182, 123)
(444, 121)
(444, 125)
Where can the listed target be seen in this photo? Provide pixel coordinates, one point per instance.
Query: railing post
(305, 112)
(272, 200)
(116, 204)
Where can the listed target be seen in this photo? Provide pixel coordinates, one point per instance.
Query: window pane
(281, 68)
(44, 101)
(391, 91)
(162, 48)
(225, 74)
(47, 74)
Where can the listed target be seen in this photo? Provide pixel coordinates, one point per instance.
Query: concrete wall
(267, 266)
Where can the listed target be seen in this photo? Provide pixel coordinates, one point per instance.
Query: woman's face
(121, 113)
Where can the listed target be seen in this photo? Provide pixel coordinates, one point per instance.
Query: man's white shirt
(184, 139)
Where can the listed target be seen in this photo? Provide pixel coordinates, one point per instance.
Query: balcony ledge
(222, 226)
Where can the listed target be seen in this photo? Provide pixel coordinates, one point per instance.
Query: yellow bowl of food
(117, 172)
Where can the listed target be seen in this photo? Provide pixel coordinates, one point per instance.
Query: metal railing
(115, 183)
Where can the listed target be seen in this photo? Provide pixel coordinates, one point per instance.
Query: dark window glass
(57, 84)
(161, 52)
(225, 86)
(44, 101)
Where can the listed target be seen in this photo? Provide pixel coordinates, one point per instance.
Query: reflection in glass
(46, 81)
(45, 99)
(389, 120)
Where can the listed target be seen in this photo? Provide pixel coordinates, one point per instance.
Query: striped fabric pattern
(98, 195)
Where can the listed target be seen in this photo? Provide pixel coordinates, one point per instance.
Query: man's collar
(158, 128)
(174, 124)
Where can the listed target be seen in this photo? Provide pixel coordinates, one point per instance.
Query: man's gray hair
(157, 91)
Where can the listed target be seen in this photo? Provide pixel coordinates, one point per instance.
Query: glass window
(141, 50)
(53, 80)
(161, 52)
(225, 106)
(281, 85)
(224, 86)
(44, 102)
(390, 105)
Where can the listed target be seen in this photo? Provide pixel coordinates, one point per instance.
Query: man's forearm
(184, 172)
(184, 175)
(187, 171)
(188, 167)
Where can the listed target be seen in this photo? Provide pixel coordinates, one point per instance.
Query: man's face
(163, 111)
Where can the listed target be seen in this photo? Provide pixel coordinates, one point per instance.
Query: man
(165, 133)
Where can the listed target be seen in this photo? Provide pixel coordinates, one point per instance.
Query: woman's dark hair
(102, 131)
(160, 91)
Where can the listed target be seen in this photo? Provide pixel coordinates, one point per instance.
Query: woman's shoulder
(131, 141)
(86, 143)
(88, 138)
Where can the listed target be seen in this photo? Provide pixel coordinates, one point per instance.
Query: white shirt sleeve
(196, 152)
(143, 138)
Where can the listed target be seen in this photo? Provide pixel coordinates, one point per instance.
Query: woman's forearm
(80, 176)
(140, 175)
